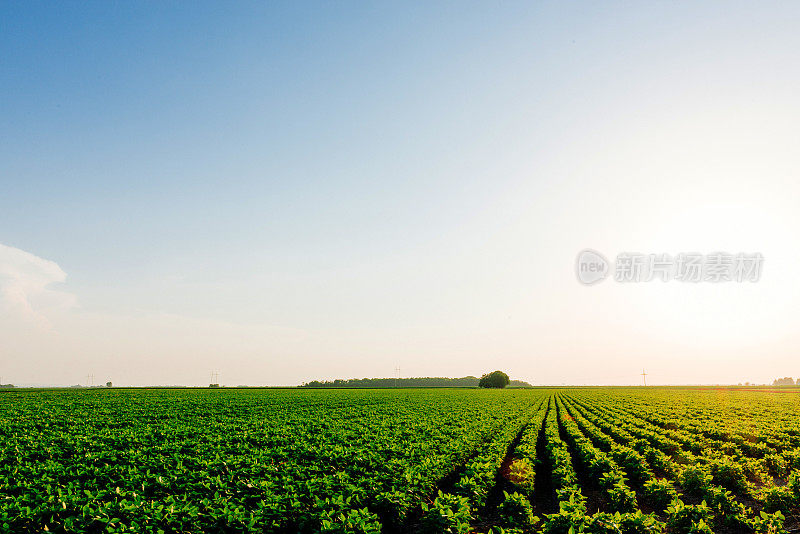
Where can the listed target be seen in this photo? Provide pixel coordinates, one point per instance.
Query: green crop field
(630, 460)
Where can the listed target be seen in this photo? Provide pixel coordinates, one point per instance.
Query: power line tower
(397, 378)
(214, 379)
(644, 378)
(89, 380)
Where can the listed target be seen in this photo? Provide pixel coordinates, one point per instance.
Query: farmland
(629, 460)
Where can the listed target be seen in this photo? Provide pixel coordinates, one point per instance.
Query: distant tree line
(426, 382)
(785, 381)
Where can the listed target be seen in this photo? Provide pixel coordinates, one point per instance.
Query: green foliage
(779, 498)
(365, 462)
(255, 461)
(728, 474)
(769, 523)
(448, 514)
(353, 522)
(689, 518)
(572, 522)
(621, 497)
(516, 512)
(392, 506)
(617, 523)
(777, 465)
(640, 523)
(660, 492)
(476, 482)
(495, 379)
(570, 518)
(695, 479)
(497, 529)
(521, 474)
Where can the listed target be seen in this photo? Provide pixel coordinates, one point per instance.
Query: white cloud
(25, 287)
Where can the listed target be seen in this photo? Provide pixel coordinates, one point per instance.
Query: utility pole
(644, 378)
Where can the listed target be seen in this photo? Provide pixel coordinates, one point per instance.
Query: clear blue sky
(380, 181)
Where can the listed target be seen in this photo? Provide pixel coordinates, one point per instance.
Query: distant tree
(496, 379)
(785, 381)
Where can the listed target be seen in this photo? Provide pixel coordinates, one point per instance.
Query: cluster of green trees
(422, 382)
(495, 379)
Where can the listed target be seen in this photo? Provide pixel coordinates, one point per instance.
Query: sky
(283, 192)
